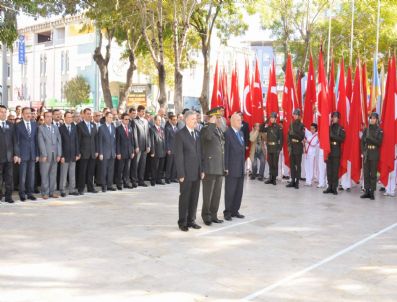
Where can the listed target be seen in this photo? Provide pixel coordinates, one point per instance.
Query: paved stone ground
(125, 246)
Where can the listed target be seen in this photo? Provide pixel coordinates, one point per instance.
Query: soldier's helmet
(297, 111)
(273, 115)
(336, 114)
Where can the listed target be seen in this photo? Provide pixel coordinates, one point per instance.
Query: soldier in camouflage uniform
(370, 144)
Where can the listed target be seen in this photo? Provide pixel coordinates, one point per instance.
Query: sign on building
(21, 49)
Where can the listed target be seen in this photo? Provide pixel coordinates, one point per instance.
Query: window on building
(44, 37)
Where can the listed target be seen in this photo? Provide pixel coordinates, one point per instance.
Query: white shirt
(312, 143)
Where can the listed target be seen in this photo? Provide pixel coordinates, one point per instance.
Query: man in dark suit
(8, 154)
(134, 163)
(70, 154)
(125, 145)
(170, 131)
(234, 168)
(212, 147)
(143, 146)
(157, 151)
(189, 171)
(87, 136)
(107, 152)
(26, 137)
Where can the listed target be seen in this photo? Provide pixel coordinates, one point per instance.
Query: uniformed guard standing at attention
(274, 144)
(370, 144)
(336, 137)
(296, 135)
(213, 159)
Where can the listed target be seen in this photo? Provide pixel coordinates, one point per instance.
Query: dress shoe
(54, 196)
(167, 181)
(260, 178)
(274, 182)
(335, 192)
(174, 180)
(207, 222)
(63, 194)
(75, 193)
(183, 228)
(112, 189)
(160, 183)
(81, 193)
(103, 189)
(142, 184)
(9, 200)
(22, 198)
(329, 190)
(296, 185)
(152, 183)
(36, 191)
(93, 191)
(216, 220)
(31, 197)
(129, 186)
(252, 177)
(371, 195)
(269, 181)
(119, 188)
(382, 189)
(228, 218)
(238, 215)
(45, 197)
(290, 184)
(194, 226)
(134, 185)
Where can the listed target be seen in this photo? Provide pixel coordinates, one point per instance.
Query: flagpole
(351, 35)
(329, 38)
(377, 30)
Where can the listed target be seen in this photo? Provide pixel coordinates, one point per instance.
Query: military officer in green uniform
(371, 141)
(274, 143)
(336, 137)
(212, 152)
(296, 135)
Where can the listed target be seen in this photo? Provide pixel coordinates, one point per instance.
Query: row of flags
(347, 95)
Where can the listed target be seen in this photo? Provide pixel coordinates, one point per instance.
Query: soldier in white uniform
(311, 151)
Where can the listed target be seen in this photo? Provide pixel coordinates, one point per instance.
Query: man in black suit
(70, 154)
(26, 137)
(189, 171)
(143, 146)
(234, 168)
(157, 151)
(125, 145)
(8, 154)
(107, 152)
(134, 163)
(87, 136)
(170, 131)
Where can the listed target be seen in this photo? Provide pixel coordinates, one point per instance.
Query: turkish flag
(310, 99)
(343, 108)
(271, 97)
(364, 94)
(289, 99)
(216, 99)
(257, 99)
(247, 98)
(387, 150)
(323, 109)
(331, 89)
(225, 95)
(355, 127)
(349, 85)
(235, 94)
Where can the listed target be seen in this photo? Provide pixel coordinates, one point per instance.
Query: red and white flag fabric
(388, 121)
(364, 105)
(271, 97)
(247, 97)
(216, 99)
(355, 127)
(257, 97)
(331, 89)
(311, 97)
(323, 109)
(234, 93)
(349, 85)
(289, 97)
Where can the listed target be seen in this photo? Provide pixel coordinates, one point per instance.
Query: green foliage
(77, 91)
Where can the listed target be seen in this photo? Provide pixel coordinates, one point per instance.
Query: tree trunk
(107, 96)
(163, 92)
(128, 81)
(204, 97)
(178, 101)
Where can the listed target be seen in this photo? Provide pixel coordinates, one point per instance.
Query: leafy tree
(77, 91)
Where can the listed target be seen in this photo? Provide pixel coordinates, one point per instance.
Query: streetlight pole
(351, 35)
(377, 30)
(329, 37)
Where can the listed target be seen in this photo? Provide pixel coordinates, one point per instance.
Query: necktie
(28, 128)
(239, 137)
(126, 130)
(4, 125)
(89, 128)
(110, 129)
(69, 129)
(192, 133)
